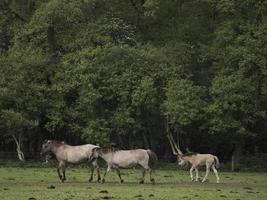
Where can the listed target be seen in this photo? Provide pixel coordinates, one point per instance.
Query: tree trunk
(178, 139)
(233, 163)
(236, 156)
(19, 151)
(120, 141)
(146, 144)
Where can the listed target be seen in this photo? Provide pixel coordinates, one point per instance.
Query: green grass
(27, 183)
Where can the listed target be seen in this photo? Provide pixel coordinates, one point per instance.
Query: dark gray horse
(71, 154)
(117, 159)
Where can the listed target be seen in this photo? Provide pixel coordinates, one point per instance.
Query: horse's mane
(109, 150)
(59, 142)
(56, 142)
(189, 154)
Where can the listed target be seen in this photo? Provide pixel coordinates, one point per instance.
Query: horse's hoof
(103, 181)
(99, 180)
(141, 182)
(152, 181)
(122, 180)
(90, 180)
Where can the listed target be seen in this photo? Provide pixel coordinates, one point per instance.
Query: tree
(184, 104)
(112, 71)
(17, 126)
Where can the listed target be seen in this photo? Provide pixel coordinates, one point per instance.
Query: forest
(125, 73)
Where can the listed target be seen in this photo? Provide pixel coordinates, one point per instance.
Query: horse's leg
(107, 170)
(143, 176)
(64, 171)
(98, 174)
(191, 173)
(58, 171)
(197, 175)
(95, 165)
(92, 172)
(119, 174)
(207, 172)
(151, 177)
(216, 173)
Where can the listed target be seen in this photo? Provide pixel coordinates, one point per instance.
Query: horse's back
(84, 147)
(77, 154)
(203, 159)
(131, 153)
(129, 158)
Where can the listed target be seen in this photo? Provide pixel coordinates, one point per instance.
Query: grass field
(43, 183)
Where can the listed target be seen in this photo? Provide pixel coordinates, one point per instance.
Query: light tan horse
(196, 160)
(117, 159)
(71, 154)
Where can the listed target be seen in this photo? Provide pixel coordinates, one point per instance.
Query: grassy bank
(42, 183)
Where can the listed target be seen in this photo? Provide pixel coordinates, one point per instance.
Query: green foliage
(234, 106)
(184, 102)
(113, 71)
(17, 123)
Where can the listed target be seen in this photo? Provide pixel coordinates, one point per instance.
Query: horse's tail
(217, 162)
(153, 159)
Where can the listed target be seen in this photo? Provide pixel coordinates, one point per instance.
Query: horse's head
(95, 154)
(46, 147)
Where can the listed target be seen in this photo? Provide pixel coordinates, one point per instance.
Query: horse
(195, 160)
(118, 159)
(66, 154)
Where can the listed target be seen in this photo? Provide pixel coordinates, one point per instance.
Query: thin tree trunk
(120, 140)
(178, 139)
(19, 151)
(145, 141)
(233, 163)
(236, 155)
